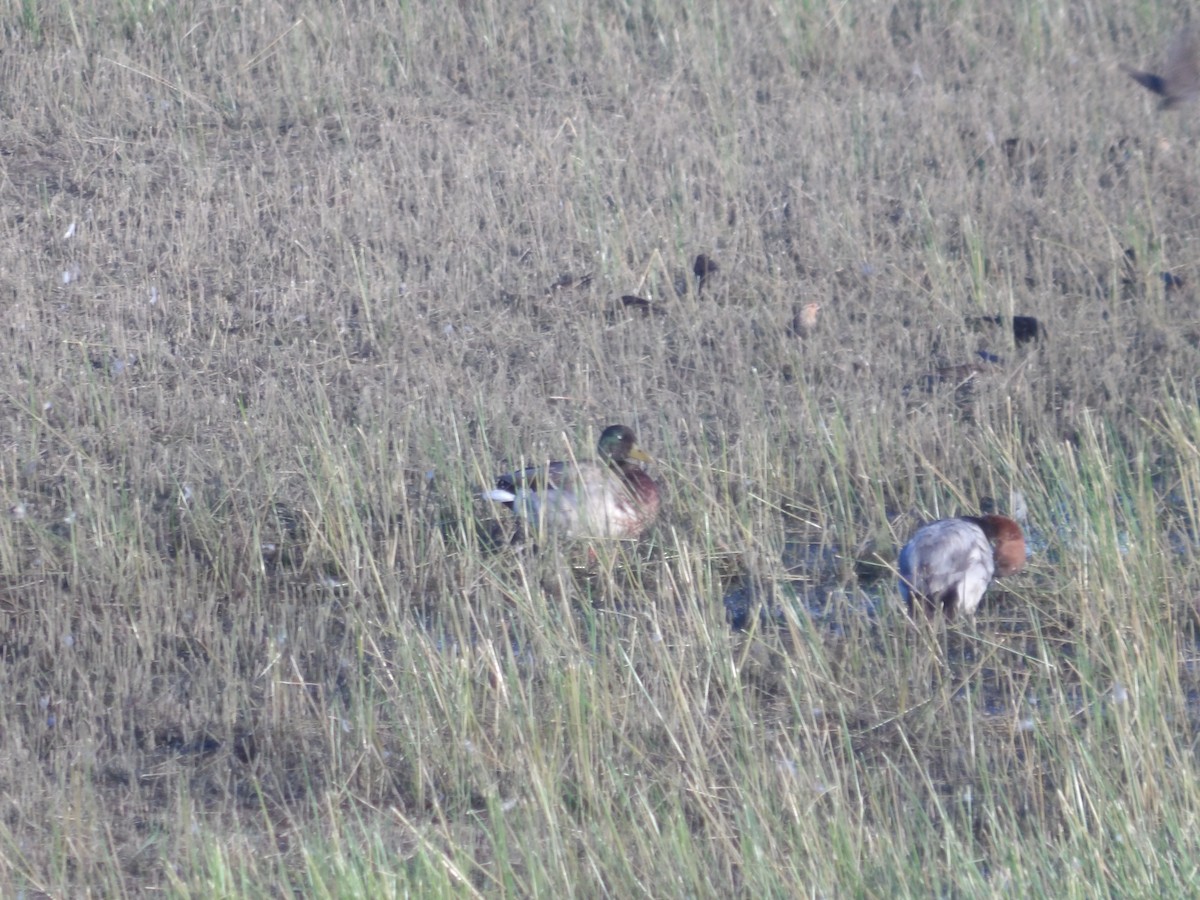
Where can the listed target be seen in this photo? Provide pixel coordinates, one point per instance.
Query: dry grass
(283, 288)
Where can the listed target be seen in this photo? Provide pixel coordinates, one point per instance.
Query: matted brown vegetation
(285, 285)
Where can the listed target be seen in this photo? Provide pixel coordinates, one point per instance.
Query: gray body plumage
(948, 564)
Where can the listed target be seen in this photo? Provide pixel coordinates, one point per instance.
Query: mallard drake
(949, 563)
(610, 497)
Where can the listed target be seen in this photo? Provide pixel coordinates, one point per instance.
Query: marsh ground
(283, 285)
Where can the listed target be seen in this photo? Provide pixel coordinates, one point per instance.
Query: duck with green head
(609, 497)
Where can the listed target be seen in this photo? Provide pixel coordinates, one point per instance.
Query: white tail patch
(499, 496)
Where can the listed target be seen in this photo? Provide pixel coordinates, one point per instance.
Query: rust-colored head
(1007, 541)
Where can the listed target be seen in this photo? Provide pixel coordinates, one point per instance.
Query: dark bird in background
(1025, 329)
(1180, 78)
(567, 281)
(702, 268)
(631, 301)
(1133, 277)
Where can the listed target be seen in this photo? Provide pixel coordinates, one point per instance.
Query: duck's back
(947, 563)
